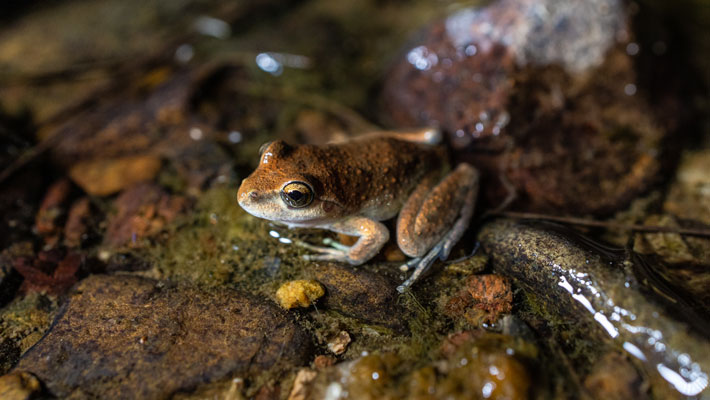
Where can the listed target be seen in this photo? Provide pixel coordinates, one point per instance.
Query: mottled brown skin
(359, 182)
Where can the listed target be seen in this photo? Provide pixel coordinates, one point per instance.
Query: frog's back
(376, 174)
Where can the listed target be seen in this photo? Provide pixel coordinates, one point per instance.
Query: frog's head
(288, 186)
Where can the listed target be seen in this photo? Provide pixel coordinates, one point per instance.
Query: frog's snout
(246, 197)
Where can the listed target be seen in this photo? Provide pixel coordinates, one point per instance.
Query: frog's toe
(336, 245)
(339, 257)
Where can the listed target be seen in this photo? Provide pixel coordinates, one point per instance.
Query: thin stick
(603, 224)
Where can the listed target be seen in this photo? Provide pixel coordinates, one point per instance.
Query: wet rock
(360, 294)
(467, 371)
(103, 177)
(613, 377)
(552, 97)
(115, 332)
(23, 322)
(19, 386)
(590, 290)
(299, 293)
(474, 370)
(141, 212)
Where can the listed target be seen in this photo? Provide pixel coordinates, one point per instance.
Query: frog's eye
(263, 147)
(297, 194)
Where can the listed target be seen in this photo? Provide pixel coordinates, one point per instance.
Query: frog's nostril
(253, 195)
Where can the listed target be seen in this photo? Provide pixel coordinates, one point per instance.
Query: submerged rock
(477, 366)
(130, 337)
(360, 294)
(542, 92)
(591, 291)
(613, 377)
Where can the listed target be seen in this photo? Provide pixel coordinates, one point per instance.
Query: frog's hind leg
(428, 135)
(434, 219)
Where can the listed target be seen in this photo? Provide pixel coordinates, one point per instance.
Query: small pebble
(340, 343)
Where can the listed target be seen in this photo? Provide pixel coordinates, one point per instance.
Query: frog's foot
(441, 250)
(336, 251)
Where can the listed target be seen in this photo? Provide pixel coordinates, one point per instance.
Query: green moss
(25, 320)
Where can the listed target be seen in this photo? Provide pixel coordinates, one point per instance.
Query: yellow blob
(299, 293)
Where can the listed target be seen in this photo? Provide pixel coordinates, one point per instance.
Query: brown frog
(349, 187)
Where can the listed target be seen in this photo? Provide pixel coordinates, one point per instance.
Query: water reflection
(646, 343)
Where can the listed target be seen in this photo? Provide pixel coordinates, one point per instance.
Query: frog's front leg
(435, 217)
(372, 235)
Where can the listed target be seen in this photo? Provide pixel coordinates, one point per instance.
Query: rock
(127, 337)
(551, 97)
(468, 266)
(588, 288)
(360, 294)
(339, 343)
(613, 377)
(299, 293)
(141, 212)
(19, 385)
(103, 177)
(469, 371)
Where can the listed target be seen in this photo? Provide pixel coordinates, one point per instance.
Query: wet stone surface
(361, 294)
(550, 100)
(130, 337)
(584, 287)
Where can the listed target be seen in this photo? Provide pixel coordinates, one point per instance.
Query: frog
(352, 186)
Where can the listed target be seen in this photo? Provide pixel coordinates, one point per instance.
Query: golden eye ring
(297, 194)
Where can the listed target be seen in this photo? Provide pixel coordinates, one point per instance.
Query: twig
(604, 224)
